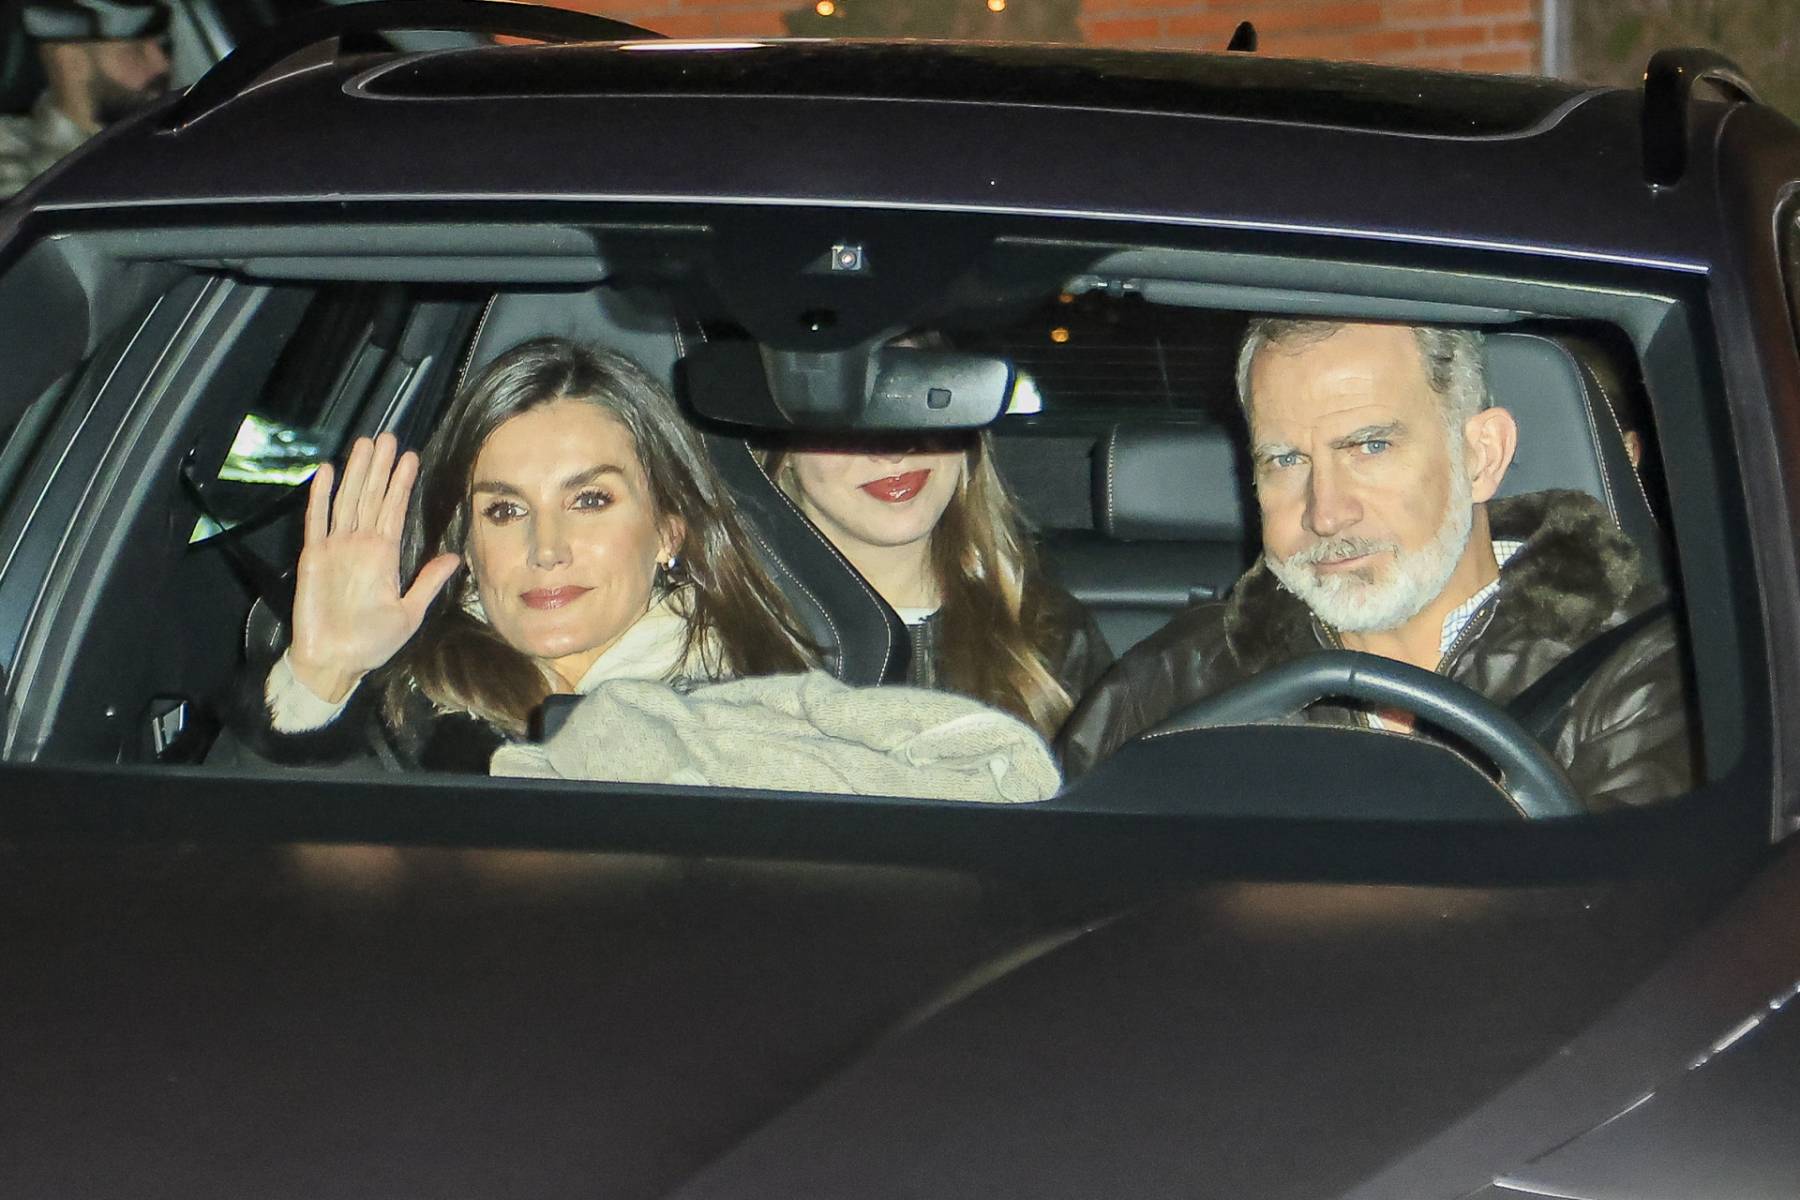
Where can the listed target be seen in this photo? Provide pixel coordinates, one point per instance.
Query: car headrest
(601, 316)
(862, 640)
(1171, 483)
(1569, 430)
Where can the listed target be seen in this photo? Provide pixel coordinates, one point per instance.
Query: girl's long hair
(738, 622)
(1000, 627)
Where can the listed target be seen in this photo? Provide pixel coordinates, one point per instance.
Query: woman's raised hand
(350, 615)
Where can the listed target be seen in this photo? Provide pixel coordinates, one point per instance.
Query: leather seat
(1173, 525)
(1570, 433)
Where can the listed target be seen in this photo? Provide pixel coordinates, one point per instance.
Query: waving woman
(566, 528)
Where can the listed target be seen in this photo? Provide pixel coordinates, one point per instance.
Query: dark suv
(1222, 963)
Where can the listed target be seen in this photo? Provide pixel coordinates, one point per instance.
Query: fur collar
(1575, 574)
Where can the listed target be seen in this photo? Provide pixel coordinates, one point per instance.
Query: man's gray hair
(1455, 362)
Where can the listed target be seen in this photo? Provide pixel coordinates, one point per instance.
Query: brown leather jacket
(1628, 736)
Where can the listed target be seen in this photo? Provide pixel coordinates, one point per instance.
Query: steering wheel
(1536, 782)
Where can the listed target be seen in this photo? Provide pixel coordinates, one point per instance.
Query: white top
(1460, 616)
(914, 616)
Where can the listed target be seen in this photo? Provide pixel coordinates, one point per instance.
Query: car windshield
(1120, 581)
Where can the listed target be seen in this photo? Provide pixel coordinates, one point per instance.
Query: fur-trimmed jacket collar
(1574, 574)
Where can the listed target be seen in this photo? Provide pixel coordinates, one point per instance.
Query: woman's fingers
(375, 489)
(432, 578)
(349, 494)
(392, 520)
(373, 492)
(318, 506)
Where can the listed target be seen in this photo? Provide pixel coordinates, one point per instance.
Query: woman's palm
(350, 613)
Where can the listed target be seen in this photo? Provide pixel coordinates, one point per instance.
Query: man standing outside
(1376, 458)
(103, 60)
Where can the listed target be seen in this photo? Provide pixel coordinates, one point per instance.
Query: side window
(324, 376)
(206, 416)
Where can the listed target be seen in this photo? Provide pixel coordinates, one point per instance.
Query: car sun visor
(881, 387)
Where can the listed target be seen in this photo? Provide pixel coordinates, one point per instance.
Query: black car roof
(1228, 141)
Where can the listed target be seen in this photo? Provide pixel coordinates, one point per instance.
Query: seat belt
(1540, 707)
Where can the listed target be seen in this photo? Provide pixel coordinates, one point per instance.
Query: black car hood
(369, 1021)
(1241, 1041)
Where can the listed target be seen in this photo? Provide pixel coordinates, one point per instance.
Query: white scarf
(650, 648)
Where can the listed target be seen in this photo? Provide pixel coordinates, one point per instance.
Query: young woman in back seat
(934, 530)
(567, 529)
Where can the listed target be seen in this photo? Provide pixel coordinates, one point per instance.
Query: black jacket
(1078, 662)
(1627, 738)
(424, 739)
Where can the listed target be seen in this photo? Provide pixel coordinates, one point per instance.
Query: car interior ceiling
(1112, 492)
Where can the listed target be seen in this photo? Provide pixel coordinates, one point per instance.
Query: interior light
(1066, 298)
(1059, 335)
(1026, 399)
(825, 8)
(996, 5)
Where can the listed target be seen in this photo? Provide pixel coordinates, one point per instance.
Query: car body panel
(367, 1020)
(1725, 1128)
(1763, 175)
(377, 1021)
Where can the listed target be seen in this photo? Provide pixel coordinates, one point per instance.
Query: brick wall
(1476, 35)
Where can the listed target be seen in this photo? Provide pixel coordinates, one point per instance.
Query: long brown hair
(738, 622)
(1000, 628)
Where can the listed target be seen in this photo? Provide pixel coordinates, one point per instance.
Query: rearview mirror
(887, 387)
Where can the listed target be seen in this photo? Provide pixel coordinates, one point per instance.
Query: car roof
(1224, 140)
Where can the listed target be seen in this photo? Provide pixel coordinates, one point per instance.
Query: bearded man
(1376, 457)
(103, 61)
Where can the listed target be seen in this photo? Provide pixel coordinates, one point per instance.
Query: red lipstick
(895, 489)
(558, 597)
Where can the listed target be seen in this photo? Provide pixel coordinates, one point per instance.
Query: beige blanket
(807, 733)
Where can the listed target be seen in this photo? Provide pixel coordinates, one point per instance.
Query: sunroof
(1449, 104)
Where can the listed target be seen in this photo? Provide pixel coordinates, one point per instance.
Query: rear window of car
(1107, 355)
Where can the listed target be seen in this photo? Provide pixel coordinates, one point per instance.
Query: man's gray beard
(1351, 604)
